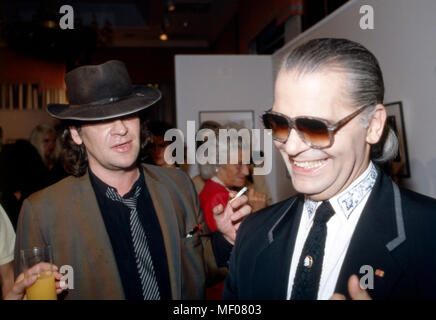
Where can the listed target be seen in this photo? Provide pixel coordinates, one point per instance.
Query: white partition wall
(226, 82)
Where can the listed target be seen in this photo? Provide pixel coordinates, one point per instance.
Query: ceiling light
(170, 5)
(49, 24)
(163, 36)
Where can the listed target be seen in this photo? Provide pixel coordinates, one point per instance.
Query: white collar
(217, 180)
(350, 198)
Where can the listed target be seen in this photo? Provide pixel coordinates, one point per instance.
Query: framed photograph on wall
(244, 118)
(395, 119)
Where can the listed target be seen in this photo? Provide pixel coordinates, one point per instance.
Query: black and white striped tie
(144, 263)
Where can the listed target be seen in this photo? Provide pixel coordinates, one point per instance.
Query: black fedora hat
(101, 92)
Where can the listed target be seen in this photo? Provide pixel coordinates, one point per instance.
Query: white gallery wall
(225, 83)
(404, 42)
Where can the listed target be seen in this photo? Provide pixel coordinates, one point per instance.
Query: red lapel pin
(379, 273)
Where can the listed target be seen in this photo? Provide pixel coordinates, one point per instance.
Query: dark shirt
(116, 217)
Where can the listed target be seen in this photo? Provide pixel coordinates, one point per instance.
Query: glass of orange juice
(44, 288)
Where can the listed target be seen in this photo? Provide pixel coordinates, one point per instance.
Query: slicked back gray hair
(365, 84)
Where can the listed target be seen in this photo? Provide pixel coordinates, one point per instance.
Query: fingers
(338, 296)
(20, 277)
(232, 194)
(28, 278)
(355, 291)
(19, 289)
(40, 268)
(241, 213)
(236, 226)
(57, 275)
(238, 202)
(218, 209)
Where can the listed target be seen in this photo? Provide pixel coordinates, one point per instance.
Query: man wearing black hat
(129, 231)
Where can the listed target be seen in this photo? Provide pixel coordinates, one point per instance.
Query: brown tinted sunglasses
(315, 132)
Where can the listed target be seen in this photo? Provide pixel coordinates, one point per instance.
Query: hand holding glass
(44, 288)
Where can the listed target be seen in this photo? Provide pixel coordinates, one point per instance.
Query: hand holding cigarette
(229, 218)
(240, 193)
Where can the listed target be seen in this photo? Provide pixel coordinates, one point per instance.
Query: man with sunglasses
(349, 220)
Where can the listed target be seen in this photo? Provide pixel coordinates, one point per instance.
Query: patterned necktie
(144, 263)
(306, 281)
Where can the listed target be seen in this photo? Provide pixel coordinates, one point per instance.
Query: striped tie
(144, 263)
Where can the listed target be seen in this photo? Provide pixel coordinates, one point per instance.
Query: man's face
(111, 145)
(321, 174)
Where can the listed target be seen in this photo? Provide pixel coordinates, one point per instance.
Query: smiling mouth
(309, 164)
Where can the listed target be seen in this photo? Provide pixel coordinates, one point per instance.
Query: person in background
(258, 182)
(221, 179)
(199, 182)
(254, 182)
(44, 139)
(155, 149)
(7, 243)
(22, 173)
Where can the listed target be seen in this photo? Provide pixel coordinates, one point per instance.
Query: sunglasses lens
(313, 131)
(278, 125)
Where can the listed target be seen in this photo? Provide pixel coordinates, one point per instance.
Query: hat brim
(141, 98)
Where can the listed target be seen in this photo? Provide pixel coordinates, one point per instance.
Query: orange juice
(43, 289)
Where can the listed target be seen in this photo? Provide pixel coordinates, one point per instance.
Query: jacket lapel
(368, 250)
(165, 212)
(273, 261)
(98, 256)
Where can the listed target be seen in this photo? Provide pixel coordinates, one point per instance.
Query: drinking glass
(44, 288)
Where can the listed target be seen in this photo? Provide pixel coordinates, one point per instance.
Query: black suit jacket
(399, 239)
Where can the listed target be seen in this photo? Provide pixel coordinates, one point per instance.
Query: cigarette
(240, 193)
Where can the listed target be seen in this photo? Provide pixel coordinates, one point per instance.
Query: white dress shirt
(348, 206)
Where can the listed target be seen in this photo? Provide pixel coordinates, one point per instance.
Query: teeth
(309, 164)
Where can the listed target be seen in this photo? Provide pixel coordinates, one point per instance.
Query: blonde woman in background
(44, 139)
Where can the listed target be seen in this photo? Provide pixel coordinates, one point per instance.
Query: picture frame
(244, 118)
(395, 119)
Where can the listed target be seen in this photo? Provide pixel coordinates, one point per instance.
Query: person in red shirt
(221, 179)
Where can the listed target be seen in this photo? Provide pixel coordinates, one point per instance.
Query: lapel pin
(379, 273)
(308, 262)
(193, 231)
